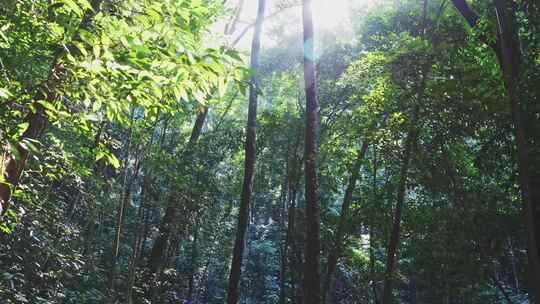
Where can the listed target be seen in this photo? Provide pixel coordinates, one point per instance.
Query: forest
(269, 151)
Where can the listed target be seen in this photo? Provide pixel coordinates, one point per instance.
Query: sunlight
(331, 14)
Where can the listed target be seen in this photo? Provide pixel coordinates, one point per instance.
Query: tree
(249, 163)
(311, 288)
(341, 233)
(507, 48)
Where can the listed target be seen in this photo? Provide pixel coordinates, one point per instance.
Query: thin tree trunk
(249, 164)
(193, 262)
(312, 276)
(120, 214)
(137, 244)
(284, 232)
(410, 143)
(372, 266)
(169, 220)
(514, 266)
(396, 225)
(230, 28)
(293, 190)
(372, 234)
(139, 232)
(341, 233)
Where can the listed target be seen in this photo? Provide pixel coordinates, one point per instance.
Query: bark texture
(341, 234)
(249, 164)
(312, 280)
(37, 120)
(170, 219)
(507, 49)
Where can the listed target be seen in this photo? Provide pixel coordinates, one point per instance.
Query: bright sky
(327, 14)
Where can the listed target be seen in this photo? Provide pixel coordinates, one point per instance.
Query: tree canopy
(209, 151)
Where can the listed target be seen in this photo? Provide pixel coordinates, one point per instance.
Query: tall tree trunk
(120, 213)
(396, 225)
(139, 227)
(169, 220)
(137, 243)
(341, 233)
(294, 182)
(312, 285)
(410, 143)
(508, 52)
(372, 234)
(372, 266)
(193, 262)
(298, 273)
(284, 232)
(511, 59)
(249, 164)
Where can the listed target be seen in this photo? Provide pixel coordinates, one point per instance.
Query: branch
(472, 19)
(466, 11)
(248, 27)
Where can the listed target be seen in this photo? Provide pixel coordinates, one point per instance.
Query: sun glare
(329, 14)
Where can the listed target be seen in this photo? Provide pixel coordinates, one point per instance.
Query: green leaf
(86, 5)
(111, 159)
(99, 155)
(4, 93)
(73, 7)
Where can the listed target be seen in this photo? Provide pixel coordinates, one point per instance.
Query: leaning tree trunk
(396, 225)
(169, 220)
(410, 143)
(13, 166)
(312, 285)
(249, 164)
(340, 236)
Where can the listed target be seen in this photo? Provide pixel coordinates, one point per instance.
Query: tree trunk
(249, 164)
(508, 52)
(410, 143)
(169, 220)
(293, 190)
(510, 64)
(372, 266)
(193, 263)
(284, 233)
(312, 285)
(372, 257)
(13, 165)
(137, 244)
(396, 225)
(140, 227)
(122, 206)
(341, 233)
